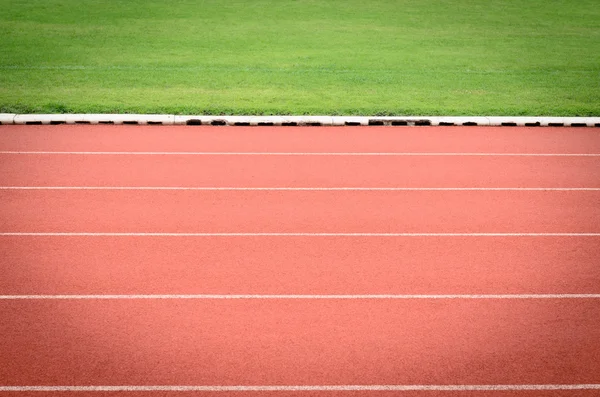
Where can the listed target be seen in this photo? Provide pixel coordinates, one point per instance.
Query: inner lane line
(238, 388)
(227, 188)
(259, 296)
(158, 234)
(306, 153)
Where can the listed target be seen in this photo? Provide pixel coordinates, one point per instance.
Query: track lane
(298, 171)
(299, 139)
(300, 211)
(299, 342)
(43, 265)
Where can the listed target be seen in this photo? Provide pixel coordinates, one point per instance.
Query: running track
(410, 261)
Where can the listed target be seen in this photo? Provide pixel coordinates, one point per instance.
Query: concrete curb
(167, 119)
(7, 118)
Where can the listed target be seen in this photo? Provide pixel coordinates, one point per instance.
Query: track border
(169, 119)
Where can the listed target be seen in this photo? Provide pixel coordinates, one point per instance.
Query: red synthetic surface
(300, 342)
(300, 211)
(299, 265)
(278, 139)
(298, 171)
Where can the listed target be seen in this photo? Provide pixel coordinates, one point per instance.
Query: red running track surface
(300, 140)
(300, 211)
(254, 342)
(299, 171)
(524, 340)
(299, 265)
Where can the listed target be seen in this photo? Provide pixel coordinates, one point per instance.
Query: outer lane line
(307, 297)
(303, 388)
(308, 153)
(394, 189)
(150, 234)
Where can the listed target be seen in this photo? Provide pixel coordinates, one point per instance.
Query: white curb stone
(193, 120)
(7, 118)
(167, 119)
(546, 121)
(128, 119)
(349, 121)
(48, 118)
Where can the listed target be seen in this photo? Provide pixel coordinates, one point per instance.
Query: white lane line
(263, 296)
(309, 154)
(301, 388)
(127, 234)
(327, 189)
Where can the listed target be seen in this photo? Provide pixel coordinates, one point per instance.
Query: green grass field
(343, 57)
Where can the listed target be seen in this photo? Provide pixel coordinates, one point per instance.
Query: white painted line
(299, 388)
(130, 234)
(280, 296)
(393, 189)
(303, 154)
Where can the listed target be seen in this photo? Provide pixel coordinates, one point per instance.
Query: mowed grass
(346, 57)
